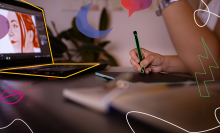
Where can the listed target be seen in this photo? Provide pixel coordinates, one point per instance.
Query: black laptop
(26, 43)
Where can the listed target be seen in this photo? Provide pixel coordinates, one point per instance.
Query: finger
(147, 70)
(136, 65)
(135, 68)
(134, 56)
(147, 61)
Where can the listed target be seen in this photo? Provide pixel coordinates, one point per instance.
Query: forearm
(186, 36)
(173, 64)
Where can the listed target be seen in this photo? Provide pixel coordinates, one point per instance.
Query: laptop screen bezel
(25, 62)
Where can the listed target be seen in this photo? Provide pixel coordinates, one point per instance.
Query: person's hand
(152, 61)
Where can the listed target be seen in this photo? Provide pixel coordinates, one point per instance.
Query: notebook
(172, 109)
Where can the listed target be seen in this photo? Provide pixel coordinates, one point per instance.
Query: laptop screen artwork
(26, 37)
(22, 36)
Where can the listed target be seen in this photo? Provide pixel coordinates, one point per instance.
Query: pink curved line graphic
(21, 95)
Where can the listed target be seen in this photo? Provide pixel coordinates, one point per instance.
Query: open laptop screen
(24, 39)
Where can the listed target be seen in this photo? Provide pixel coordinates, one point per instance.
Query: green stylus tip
(143, 70)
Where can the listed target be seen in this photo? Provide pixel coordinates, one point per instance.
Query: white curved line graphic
(204, 11)
(170, 122)
(14, 121)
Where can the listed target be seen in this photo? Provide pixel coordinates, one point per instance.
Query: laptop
(26, 44)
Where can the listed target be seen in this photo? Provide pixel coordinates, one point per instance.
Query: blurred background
(105, 14)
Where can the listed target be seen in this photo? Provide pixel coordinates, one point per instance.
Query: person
(186, 36)
(22, 33)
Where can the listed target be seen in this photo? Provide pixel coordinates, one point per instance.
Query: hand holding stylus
(152, 61)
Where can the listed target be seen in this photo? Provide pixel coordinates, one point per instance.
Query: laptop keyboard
(51, 67)
(51, 70)
(55, 70)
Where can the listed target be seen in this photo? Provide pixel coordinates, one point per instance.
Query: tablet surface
(148, 78)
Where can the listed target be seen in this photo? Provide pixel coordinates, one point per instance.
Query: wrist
(165, 63)
(173, 64)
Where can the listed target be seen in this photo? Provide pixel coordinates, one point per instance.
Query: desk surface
(44, 108)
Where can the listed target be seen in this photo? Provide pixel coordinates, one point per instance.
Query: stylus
(139, 50)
